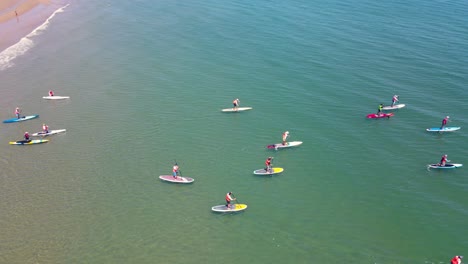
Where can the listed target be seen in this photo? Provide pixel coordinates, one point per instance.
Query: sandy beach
(19, 17)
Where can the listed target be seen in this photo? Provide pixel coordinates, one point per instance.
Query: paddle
(234, 198)
(237, 202)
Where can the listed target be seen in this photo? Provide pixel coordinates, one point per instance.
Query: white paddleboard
(397, 106)
(56, 97)
(445, 129)
(288, 145)
(233, 208)
(51, 132)
(239, 109)
(177, 179)
(447, 166)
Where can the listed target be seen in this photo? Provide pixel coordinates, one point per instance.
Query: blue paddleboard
(23, 118)
(445, 129)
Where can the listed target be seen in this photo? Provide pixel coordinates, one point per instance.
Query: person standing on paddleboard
(379, 110)
(236, 104)
(45, 128)
(175, 170)
(268, 164)
(394, 99)
(285, 136)
(18, 112)
(444, 122)
(229, 198)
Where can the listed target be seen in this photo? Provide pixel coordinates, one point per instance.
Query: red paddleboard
(381, 115)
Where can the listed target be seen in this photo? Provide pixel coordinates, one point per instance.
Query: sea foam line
(25, 43)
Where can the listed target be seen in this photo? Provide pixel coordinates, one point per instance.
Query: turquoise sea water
(147, 81)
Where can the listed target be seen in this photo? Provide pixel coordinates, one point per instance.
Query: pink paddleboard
(178, 179)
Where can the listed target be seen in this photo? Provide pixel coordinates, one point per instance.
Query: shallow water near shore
(147, 82)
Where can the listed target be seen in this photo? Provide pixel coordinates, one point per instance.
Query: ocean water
(147, 81)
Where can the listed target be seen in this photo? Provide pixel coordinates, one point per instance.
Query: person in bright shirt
(18, 112)
(443, 160)
(45, 129)
(268, 164)
(379, 110)
(26, 136)
(444, 122)
(229, 198)
(285, 137)
(394, 100)
(456, 260)
(51, 93)
(175, 170)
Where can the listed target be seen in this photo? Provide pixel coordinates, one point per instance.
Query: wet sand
(19, 17)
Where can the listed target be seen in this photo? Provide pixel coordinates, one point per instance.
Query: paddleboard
(381, 115)
(264, 172)
(447, 166)
(178, 179)
(30, 142)
(288, 145)
(51, 132)
(233, 208)
(55, 97)
(397, 106)
(23, 118)
(239, 109)
(445, 129)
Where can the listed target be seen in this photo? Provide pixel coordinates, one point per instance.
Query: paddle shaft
(235, 198)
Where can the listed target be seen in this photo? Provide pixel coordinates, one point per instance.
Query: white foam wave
(21, 47)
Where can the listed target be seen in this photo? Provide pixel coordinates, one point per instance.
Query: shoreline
(18, 18)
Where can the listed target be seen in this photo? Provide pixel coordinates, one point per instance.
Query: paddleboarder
(26, 136)
(394, 99)
(18, 112)
(175, 170)
(444, 122)
(379, 110)
(456, 260)
(51, 93)
(45, 128)
(236, 103)
(229, 198)
(268, 164)
(285, 136)
(443, 160)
